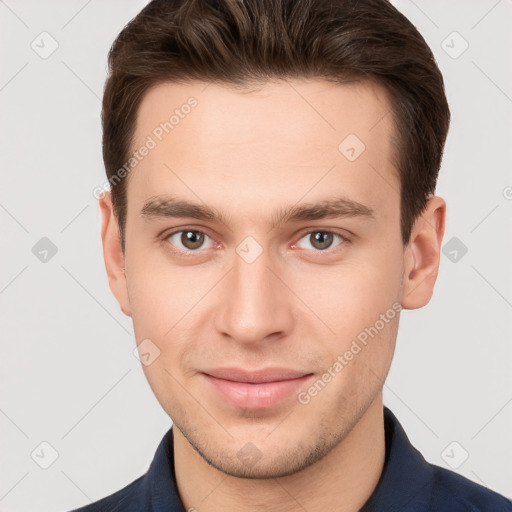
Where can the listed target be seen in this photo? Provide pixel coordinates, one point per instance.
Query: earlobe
(112, 253)
(422, 255)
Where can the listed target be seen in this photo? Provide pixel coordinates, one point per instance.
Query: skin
(249, 154)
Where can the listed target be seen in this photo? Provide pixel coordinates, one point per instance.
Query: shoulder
(453, 492)
(154, 490)
(410, 482)
(131, 498)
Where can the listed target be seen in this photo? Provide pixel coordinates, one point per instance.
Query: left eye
(321, 240)
(190, 239)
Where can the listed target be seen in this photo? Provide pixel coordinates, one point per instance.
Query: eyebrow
(170, 207)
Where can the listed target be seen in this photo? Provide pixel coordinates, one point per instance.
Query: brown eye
(192, 239)
(321, 240)
(187, 239)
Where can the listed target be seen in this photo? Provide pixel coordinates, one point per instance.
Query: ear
(112, 253)
(421, 262)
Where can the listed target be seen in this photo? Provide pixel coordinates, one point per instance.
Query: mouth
(256, 390)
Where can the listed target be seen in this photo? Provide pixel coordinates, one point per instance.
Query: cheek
(351, 296)
(363, 358)
(166, 309)
(358, 302)
(157, 300)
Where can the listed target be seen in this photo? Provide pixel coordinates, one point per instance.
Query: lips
(255, 376)
(257, 389)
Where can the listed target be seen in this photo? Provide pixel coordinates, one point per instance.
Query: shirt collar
(406, 479)
(405, 482)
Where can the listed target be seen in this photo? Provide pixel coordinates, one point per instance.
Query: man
(272, 169)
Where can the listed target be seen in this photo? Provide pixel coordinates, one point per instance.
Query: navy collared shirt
(407, 484)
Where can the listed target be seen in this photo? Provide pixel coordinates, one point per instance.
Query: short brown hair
(247, 42)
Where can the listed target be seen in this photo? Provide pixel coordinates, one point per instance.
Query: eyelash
(194, 252)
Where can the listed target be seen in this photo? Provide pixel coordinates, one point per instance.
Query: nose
(255, 305)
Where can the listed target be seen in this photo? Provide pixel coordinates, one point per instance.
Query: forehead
(296, 137)
(290, 109)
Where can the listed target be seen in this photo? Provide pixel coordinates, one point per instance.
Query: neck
(343, 480)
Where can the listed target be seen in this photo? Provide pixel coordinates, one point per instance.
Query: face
(264, 264)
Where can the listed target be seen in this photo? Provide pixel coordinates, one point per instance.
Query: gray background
(68, 374)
